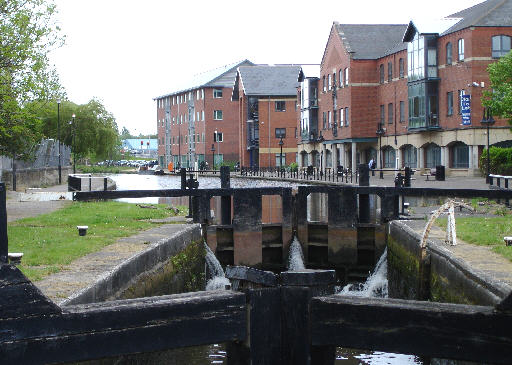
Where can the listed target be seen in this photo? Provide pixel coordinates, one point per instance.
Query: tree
(27, 34)
(125, 133)
(94, 128)
(499, 100)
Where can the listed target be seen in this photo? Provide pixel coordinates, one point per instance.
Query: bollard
(82, 230)
(407, 177)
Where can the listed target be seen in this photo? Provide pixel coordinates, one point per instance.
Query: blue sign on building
(465, 109)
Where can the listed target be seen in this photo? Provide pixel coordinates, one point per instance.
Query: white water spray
(376, 286)
(296, 257)
(218, 279)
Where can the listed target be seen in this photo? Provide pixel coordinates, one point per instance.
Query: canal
(216, 354)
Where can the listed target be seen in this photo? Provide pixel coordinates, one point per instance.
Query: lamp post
(380, 132)
(218, 146)
(487, 120)
(213, 158)
(73, 142)
(58, 140)
(281, 154)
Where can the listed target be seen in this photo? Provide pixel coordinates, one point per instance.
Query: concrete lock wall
(141, 274)
(35, 176)
(434, 273)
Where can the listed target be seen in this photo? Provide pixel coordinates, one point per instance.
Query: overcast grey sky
(127, 52)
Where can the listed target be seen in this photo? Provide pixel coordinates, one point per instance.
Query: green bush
(294, 166)
(500, 161)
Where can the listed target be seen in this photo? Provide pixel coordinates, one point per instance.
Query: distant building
(199, 120)
(267, 97)
(419, 85)
(140, 146)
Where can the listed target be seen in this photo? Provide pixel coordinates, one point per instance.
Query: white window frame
(216, 91)
(216, 115)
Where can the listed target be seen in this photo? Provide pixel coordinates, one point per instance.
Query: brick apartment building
(267, 99)
(416, 86)
(199, 122)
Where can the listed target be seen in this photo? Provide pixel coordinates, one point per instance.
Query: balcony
(424, 123)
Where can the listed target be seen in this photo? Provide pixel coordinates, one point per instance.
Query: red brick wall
(285, 119)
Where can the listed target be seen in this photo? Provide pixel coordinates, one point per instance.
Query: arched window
(410, 156)
(389, 155)
(448, 53)
(461, 49)
(459, 155)
(500, 45)
(433, 155)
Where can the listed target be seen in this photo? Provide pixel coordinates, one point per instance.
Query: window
(449, 103)
(329, 85)
(217, 114)
(402, 111)
(448, 53)
(218, 136)
(341, 78)
(381, 74)
(323, 84)
(334, 79)
(346, 76)
(433, 155)
(280, 106)
(296, 135)
(390, 113)
(460, 94)
(389, 157)
(280, 132)
(416, 58)
(202, 93)
(500, 45)
(329, 119)
(324, 120)
(217, 93)
(461, 49)
(280, 158)
(198, 94)
(390, 71)
(410, 156)
(382, 114)
(341, 117)
(346, 116)
(459, 155)
(401, 67)
(202, 137)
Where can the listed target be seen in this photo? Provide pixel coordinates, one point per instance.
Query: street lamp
(487, 120)
(380, 132)
(281, 155)
(218, 146)
(213, 153)
(73, 143)
(58, 140)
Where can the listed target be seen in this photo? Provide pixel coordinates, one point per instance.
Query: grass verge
(487, 231)
(106, 169)
(51, 241)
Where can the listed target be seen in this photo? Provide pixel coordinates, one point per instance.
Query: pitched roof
(372, 41)
(280, 80)
(223, 76)
(490, 13)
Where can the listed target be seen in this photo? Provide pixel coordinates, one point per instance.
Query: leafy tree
(500, 99)
(94, 128)
(27, 34)
(125, 133)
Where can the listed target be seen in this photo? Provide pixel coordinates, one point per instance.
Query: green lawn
(51, 241)
(485, 232)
